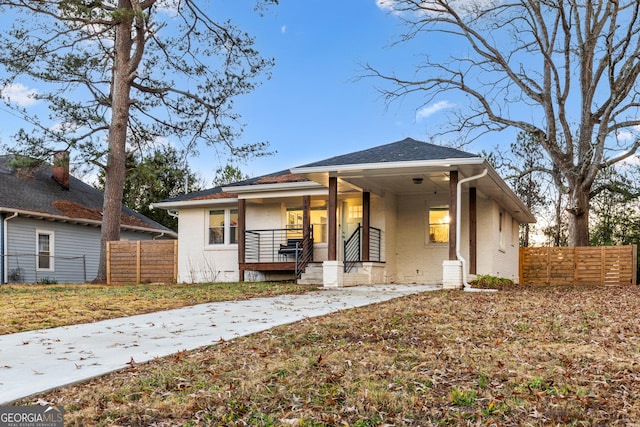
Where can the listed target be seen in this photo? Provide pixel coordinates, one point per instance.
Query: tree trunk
(578, 209)
(115, 172)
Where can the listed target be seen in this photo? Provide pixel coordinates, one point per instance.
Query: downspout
(5, 243)
(467, 287)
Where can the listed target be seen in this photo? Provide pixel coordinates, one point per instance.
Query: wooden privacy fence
(142, 261)
(578, 265)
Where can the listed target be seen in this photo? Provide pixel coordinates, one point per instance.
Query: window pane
(355, 212)
(319, 224)
(216, 227)
(44, 251)
(233, 228)
(294, 223)
(439, 224)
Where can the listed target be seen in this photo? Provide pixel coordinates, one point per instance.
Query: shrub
(486, 281)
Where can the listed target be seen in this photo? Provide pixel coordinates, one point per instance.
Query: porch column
(473, 229)
(366, 223)
(242, 226)
(333, 218)
(453, 209)
(306, 224)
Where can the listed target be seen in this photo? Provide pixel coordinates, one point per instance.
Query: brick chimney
(61, 168)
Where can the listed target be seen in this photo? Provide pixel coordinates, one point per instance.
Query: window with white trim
(223, 226)
(438, 218)
(44, 250)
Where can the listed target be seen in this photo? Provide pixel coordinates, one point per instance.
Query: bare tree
(119, 74)
(564, 71)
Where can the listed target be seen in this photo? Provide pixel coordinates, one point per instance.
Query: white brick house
(405, 212)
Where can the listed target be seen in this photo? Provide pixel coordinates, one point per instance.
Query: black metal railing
(304, 256)
(279, 245)
(375, 244)
(353, 247)
(352, 250)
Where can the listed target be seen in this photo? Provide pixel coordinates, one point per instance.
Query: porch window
(233, 226)
(318, 217)
(439, 224)
(44, 248)
(223, 226)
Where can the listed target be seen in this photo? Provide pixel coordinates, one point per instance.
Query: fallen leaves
(36, 306)
(525, 356)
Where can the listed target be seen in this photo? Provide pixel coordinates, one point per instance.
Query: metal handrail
(352, 250)
(353, 247)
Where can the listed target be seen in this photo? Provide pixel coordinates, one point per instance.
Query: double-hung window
(223, 226)
(438, 224)
(44, 250)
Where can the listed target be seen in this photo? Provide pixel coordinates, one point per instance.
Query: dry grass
(555, 356)
(28, 307)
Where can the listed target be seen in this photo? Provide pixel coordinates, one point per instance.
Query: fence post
(634, 272)
(603, 261)
(175, 259)
(108, 263)
(138, 262)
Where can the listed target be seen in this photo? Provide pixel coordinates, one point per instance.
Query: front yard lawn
(527, 356)
(28, 307)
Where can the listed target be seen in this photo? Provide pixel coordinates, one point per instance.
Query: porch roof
(413, 167)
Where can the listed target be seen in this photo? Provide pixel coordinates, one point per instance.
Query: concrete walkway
(36, 361)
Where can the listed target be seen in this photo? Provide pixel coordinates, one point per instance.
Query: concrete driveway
(36, 361)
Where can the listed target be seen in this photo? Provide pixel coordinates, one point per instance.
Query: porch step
(312, 274)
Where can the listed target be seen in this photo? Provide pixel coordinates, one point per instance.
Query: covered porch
(293, 248)
(357, 254)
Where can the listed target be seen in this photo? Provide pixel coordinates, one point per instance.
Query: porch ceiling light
(418, 180)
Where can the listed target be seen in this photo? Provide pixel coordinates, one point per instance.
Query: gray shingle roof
(34, 190)
(217, 193)
(405, 150)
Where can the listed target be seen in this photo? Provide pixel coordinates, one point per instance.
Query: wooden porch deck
(268, 266)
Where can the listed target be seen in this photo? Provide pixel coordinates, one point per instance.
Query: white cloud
(625, 135)
(386, 5)
(283, 29)
(469, 8)
(19, 94)
(427, 111)
(168, 7)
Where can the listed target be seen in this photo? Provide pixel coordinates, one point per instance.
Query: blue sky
(314, 107)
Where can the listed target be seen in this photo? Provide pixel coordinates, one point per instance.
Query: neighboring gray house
(50, 224)
(404, 212)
